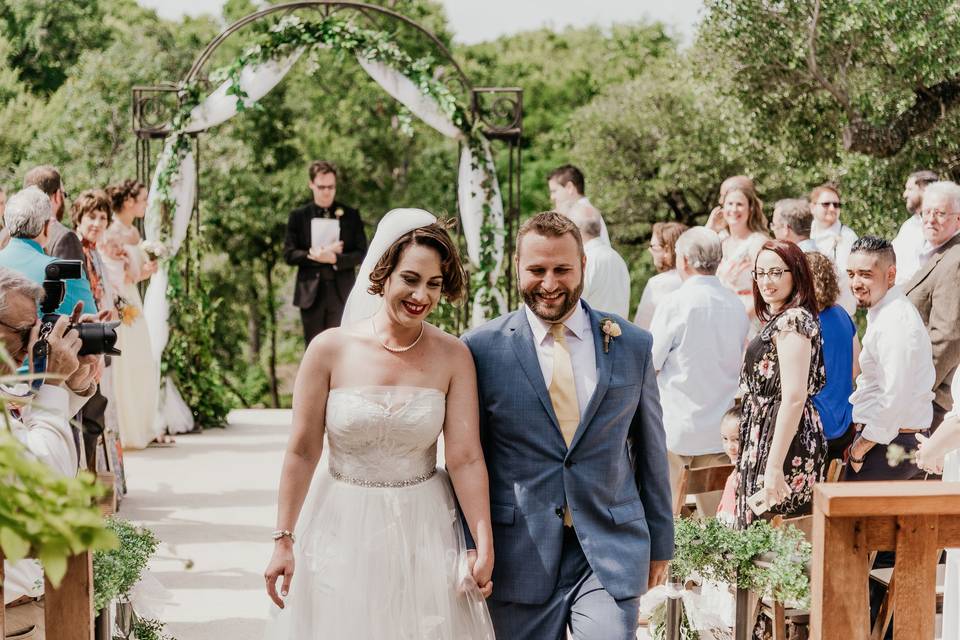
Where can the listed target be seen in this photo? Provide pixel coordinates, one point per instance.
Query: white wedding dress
(379, 547)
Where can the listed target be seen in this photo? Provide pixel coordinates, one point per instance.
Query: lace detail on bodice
(384, 436)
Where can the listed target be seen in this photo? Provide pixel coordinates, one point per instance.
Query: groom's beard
(570, 299)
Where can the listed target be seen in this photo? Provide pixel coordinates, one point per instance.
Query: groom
(574, 444)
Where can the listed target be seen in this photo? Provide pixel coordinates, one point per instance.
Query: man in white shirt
(41, 424)
(892, 399)
(699, 332)
(833, 238)
(606, 279)
(908, 244)
(567, 188)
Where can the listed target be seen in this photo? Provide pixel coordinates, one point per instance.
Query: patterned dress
(760, 383)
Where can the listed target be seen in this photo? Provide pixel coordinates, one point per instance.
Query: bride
(379, 550)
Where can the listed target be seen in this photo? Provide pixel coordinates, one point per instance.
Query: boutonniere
(610, 330)
(338, 212)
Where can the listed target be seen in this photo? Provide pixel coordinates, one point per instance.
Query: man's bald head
(588, 219)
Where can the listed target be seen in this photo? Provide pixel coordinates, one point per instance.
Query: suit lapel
(930, 265)
(604, 372)
(523, 347)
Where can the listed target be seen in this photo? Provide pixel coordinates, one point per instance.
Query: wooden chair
(885, 577)
(702, 480)
(68, 609)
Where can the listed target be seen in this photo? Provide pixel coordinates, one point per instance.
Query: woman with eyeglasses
(663, 241)
(783, 450)
(744, 231)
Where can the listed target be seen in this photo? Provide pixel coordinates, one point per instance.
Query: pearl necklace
(395, 349)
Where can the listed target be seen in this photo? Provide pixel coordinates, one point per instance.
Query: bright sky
(479, 20)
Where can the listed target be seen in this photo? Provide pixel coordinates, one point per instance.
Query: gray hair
(796, 214)
(702, 249)
(943, 189)
(15, 282)
(26, 213)
(587, 218)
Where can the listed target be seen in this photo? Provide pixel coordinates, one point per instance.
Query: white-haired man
(28, 218)
(699, 332)
(40, 424)
(934, 289)
(606, 279)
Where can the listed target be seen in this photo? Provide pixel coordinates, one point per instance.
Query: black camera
(95, 337)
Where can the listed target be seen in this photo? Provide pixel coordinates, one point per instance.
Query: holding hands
(481, 568)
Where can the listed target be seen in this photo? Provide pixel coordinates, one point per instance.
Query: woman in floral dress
(783, 450)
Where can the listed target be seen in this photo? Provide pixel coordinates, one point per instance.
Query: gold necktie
(563, 394)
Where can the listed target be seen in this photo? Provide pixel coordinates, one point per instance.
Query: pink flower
(797, 483)
(797, 461)
(765, 368)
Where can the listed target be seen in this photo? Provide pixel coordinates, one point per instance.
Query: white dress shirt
(604, 235)
(606, 280)
(581, 345)
(908, 245)
(699, 333)
(807, 246)
(896, 371)
(42, 428)
(658, 287)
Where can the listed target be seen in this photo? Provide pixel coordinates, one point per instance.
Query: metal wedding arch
(498, 110)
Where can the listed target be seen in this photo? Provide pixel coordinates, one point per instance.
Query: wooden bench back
(68, 609)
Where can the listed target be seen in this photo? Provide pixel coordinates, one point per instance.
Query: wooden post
(69, 608)
(851, 519)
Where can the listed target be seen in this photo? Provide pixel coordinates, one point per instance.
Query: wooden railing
(68, 609)
(852, 519)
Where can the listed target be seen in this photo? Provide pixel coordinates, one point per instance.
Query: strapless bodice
(384, 436)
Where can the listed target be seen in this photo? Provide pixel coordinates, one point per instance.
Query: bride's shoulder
(327, 343)
(449, 343)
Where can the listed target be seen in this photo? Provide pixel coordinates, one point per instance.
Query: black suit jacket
(296, 246)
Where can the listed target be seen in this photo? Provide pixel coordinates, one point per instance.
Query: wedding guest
(746, 233)
(841, 348)
(28, 217)
(892, 401)
(606, 278)
(730, 435)
(325, 275)
(908, 244)
(62, 242)
(41, 426)
(833, 238)
(791, 221)
(934, 289)
(567, 187)
(715, 221)
(698, 336)
(136, 374)
(662, 241)
(782, 448)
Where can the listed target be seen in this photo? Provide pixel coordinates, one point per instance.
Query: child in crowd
(730, 434)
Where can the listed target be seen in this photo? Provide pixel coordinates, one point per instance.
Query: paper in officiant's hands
(323, 233)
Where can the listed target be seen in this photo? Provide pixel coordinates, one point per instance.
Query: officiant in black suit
(325, 275)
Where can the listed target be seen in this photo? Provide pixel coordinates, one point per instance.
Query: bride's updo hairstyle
(120, 193)
(436, 237)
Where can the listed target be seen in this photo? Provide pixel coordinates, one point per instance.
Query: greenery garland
(769, 560)
(46, 516)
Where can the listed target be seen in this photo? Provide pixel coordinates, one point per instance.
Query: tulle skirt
(381, 563)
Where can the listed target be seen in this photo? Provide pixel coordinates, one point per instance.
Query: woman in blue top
(841, 348)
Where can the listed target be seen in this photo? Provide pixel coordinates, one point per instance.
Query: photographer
(40, 422)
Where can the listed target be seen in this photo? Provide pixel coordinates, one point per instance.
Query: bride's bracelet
(283, 533)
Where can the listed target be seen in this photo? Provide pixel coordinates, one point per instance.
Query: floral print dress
(760, 382)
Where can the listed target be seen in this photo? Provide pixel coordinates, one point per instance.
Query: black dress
(760, 383)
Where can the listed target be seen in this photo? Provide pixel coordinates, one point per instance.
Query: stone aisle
(212, 499)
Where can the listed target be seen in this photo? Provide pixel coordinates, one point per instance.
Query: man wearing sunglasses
(39, 421)
(833, 238)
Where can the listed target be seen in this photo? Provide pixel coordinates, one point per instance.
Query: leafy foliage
(117, 570)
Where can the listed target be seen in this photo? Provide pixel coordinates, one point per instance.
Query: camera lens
(98, 337)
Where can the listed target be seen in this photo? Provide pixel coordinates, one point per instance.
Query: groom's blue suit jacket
(614, 476)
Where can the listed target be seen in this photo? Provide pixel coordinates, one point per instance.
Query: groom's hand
(658, 573)
(481, 572)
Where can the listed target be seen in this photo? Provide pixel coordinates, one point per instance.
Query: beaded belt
(362, 482)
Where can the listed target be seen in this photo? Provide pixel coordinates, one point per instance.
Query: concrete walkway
(212, 499)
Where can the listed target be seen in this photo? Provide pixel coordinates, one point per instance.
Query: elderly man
(28, 218)
(567, 188)
(934, 289)
(62, 243)
(699, 332)
(792, 220)
(40, 423)
(909, 242)
(606, 279)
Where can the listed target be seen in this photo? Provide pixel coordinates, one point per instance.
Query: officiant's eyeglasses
(773, 275)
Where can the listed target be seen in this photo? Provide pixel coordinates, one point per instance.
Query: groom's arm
(650, 464)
